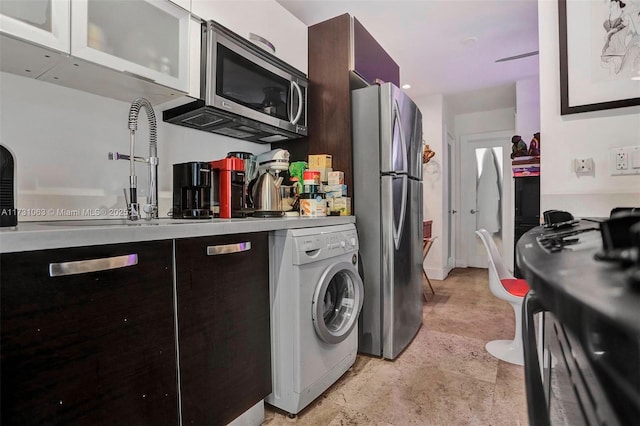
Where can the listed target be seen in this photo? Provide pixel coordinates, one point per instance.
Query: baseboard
(254, 416)
(436, 273)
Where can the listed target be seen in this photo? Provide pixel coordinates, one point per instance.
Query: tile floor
(445, 377)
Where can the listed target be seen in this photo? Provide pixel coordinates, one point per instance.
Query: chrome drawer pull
(229, 248)
(92, 265)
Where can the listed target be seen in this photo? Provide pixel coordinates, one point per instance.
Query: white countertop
(29, 236)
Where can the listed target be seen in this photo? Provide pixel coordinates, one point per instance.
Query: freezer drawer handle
(92, 265)
(228, 248)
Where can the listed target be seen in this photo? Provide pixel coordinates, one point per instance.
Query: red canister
(311, 177)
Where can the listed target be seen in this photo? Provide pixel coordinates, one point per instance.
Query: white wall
(61, 138)
(434, 174)
(266, 18)
(579, 135)
(527, 108)
(437, 121)
(485, 121)
(467, 126)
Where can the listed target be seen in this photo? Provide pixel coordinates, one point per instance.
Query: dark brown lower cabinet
(92, 348)
(223, 326)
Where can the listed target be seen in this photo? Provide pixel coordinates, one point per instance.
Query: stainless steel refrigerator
(387, 180)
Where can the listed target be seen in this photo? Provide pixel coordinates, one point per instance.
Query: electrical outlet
(583, 165)
(624, 160)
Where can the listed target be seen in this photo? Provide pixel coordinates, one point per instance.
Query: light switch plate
(634, 159)
(624, 160)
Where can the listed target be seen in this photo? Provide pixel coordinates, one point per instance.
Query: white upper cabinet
(265, 19)
(121, 49)
(146, 38)
(43, 22)
(185, 4)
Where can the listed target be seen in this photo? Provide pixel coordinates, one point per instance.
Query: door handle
(453, 211)
(300, 106)
(260, 39)
(92, 265)
(398, 120)
(228, 248)
(397, 232)
(472, 211)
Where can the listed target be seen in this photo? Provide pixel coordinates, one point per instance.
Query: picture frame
(593, 75)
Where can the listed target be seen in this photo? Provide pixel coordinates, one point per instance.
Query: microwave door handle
(290, 110)
(297, 117)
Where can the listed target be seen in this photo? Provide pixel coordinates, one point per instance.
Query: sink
(123, 222)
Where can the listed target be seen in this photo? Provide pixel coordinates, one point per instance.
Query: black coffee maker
(192, 190)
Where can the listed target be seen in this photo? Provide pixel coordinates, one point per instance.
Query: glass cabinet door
(146, 38)
(42, 22)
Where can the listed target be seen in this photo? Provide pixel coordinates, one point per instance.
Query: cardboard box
(335, 189)
(335, 178)
(320, 161)
(342, 205)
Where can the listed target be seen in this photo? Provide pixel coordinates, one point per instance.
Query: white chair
(505, 286)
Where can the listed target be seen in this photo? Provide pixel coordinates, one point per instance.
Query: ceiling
(446, 46)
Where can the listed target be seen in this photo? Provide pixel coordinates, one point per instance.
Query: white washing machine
(316, 296)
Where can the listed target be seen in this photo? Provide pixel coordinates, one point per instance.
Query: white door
(450, 203)
(486, 195)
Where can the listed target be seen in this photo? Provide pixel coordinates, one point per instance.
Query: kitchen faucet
(133, 207)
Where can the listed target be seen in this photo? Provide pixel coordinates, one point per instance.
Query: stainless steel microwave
(247, 93)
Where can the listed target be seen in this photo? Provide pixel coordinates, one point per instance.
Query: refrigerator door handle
(397, 231)
(419, 154)
(403, 142)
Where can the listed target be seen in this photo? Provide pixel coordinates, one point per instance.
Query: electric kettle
(267, 201)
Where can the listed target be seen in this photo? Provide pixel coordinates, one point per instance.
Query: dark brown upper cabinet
(342, 56)
(370, 61)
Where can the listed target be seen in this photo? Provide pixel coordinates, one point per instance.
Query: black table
(597, 306)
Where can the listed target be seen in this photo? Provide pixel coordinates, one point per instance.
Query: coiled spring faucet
(133, 207)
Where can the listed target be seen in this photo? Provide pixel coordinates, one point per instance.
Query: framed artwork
(599, 54)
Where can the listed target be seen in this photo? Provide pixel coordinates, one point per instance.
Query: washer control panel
(342, 241)
(325, 245)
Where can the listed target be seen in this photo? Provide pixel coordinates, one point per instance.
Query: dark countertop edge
(570, 302)
(597, 305)
(30, 236)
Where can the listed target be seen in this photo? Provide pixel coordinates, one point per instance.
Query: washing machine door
(337, 301)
